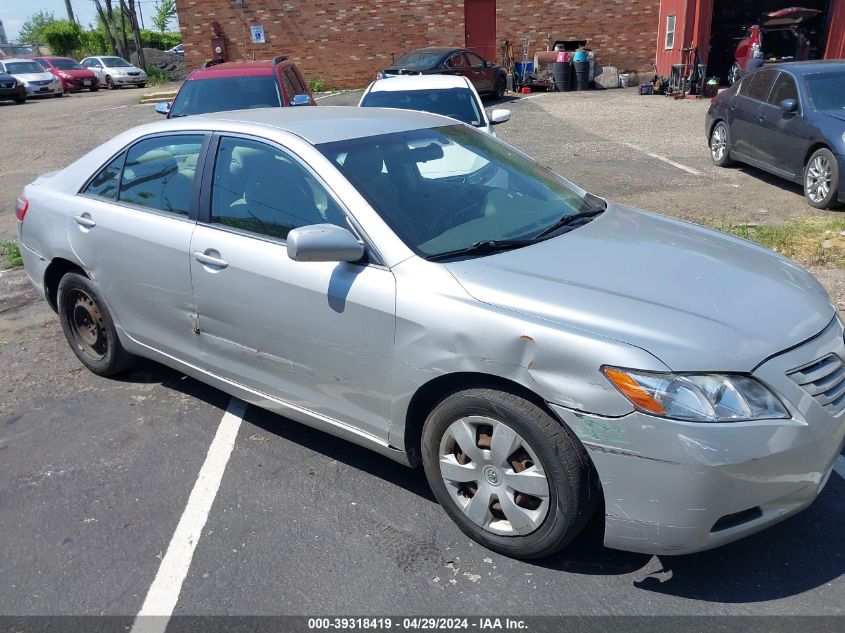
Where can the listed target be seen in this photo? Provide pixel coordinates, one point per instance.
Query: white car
(35, 79)
(448, 95)
(115, 72)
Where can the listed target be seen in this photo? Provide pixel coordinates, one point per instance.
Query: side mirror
(300, 100)
(499, 115)
(163, 107)
(789, 105)
(323, 243)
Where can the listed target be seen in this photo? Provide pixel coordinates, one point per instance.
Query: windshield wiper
(485, 247)
(569, 220)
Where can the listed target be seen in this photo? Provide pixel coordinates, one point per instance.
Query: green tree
(64, 38)
(164, 12)
(33, 27)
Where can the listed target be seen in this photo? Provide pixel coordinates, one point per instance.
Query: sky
(14, 12)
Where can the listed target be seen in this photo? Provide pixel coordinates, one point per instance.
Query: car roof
(17, 59)
(236, 69)
(435, 49)
(808, 67)
(419, 82)
(317, 125)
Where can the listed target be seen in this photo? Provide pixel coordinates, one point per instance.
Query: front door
(482, 74)
(317, 335)
(131, 228)
(480, 27)
(781, 142)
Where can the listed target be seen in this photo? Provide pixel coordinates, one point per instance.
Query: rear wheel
(501, 86)
(512, 477)
(719, 147)
(89, 328)
(821, 180)
(95, 89)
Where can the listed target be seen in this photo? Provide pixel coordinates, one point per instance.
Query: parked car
(271, 83)
(533, 346)
(11, 89)
(73, 75)
(115, 72)
(179, 49)
(487, 77)
(789, 120)
(781, 37)
(448, 95)
(36, 81)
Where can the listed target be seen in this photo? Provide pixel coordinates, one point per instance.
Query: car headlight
(697, 397)
(65, 76)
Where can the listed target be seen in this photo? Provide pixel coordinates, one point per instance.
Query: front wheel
(20, 100)
(142, 85)
(110, 83)
(501, 86)
(95, 89)
(821, 180)
(89, 327)
(512, 477)
(719, 147)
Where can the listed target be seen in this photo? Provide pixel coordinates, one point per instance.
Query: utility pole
(69, 8)
(141, 11)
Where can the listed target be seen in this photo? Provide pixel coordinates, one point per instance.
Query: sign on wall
(257, 33)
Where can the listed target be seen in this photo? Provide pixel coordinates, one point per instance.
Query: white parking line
(164, 592)
(668, 161)
(839, 466)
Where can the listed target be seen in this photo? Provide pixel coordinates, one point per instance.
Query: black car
(487, 77)
(787, 119)
(11, 89)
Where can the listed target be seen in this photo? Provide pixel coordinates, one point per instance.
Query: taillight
(21, 207)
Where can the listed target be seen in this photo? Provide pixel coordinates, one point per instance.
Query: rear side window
(159, 173)
(105, 184)
(784, 88)
(757, 85)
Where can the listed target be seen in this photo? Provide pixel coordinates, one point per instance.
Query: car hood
(836, 114)
(697, 299)
(35, 76)
(83, 73)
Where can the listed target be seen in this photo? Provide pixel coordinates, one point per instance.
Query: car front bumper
(44, 91)
(18, 92)
(74, 84)
(674, 487)
(128, 81)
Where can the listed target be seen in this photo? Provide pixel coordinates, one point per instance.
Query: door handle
(85, 220)
(210, 260)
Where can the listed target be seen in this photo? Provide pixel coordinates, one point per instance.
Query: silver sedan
(540, 351)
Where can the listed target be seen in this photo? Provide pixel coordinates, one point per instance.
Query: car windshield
(827, 90)
(449, 188)
(66, 64)
(115, 62)
(458, 103)
(23, 68)
(418, 59)
(219, 94)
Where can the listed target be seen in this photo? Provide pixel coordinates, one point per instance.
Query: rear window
(457, 103)
(218, 94)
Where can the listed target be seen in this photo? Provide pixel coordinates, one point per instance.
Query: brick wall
(345, 43)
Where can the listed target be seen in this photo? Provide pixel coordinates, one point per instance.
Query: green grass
(10, 254)
(812, 242)
(317, 84)
(156, 76)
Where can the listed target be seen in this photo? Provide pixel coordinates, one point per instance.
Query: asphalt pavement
(97, 475)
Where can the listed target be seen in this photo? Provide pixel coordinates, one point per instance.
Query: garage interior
(731, 19)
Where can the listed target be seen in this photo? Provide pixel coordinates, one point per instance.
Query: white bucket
(623, 80)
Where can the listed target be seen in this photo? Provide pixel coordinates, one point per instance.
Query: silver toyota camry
(422, 289)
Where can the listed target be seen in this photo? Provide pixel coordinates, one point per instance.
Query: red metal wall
(692, 28)
(836, 33)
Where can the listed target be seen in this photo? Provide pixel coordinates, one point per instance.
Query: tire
(734, 74)
(95, 89)
(720, 147)
(89, 328)
(110, 83)
(501, 86)
(20, 100)
(821, 180)
(142, 85)
(59, 95)
(526, 525)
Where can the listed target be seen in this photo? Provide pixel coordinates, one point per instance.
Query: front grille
(42, 82)
(823, 379)
(133, 74)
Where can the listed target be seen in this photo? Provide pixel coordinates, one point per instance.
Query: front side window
(219, 94)
(474, 60)
(261, 189)
(449, 188)
(159, 173)
(670, 32)
(757, 85)
(784, 88)
(106, 183)
(458, 103)
(457, 61)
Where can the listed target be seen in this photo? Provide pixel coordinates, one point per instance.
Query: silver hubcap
(719, 143)
(494, 476)
(818, 179)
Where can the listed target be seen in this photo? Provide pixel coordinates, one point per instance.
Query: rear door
(744, 112)
(131, 227)
(781, 143)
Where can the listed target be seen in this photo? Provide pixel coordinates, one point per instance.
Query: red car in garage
(74, 77)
